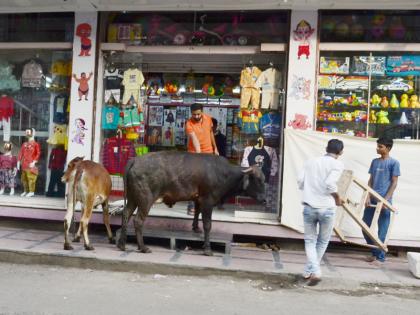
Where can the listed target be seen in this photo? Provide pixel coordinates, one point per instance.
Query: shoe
(370, 258)
(377, 263)
(313, 280)
(306, 276)
(23, 194)
(31, 194)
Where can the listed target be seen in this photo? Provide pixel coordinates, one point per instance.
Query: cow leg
(79, 232)
(138, 224)
(126, 215)
(105, 210)
(67, 221)
(84, 221)
(195, 227)
(206, 216)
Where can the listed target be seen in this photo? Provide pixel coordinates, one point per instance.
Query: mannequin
(8, 169)
(29, 154)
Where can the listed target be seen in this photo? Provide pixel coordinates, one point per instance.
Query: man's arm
(195, 142)
(394, 182)
(213, 143)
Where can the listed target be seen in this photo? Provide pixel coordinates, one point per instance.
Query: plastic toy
(375, 101)
(384, 102)
(394, 103)
(328, 26)
(342, 30)
(403, 119)
(372, 117)
(357, 31)
(378, 30)
(349, 132)
(359, 115)
(382, 117)
(360, 134)
(414, 101)
(404, 101)
(396, 85)
(347, 116)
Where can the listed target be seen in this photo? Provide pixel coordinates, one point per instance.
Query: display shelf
(341, 122)
(341, 107)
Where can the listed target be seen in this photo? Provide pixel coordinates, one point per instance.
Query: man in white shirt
(318, 181)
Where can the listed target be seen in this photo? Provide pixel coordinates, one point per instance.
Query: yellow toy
(382, 117)
(372, 116)
(347, 116)
(404, 101)
(375, 100)
(384, 102)
(414, 101)
(394, 103)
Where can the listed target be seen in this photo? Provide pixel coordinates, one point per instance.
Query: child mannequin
(29, 154)
(8, 170)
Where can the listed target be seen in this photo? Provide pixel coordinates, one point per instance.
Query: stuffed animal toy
(404, 101)
(414, 101)
(394, 103)
(372, 117)
(375, 100)
(382, 117)
(384, 102)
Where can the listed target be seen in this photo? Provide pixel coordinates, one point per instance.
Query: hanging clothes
(248, 121)
(270, 125)
(6, 112)
(250, 92)
(113, 79)
(56, 164)
(60, 115)
(116, 153)
(132, 81)
(269, 82)
(110, 117)
(32, 75)
(265, 157)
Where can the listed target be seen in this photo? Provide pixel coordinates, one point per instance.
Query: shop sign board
(82, 86)
(302, 70)
(403, 65)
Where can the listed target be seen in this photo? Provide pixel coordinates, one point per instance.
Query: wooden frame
(355, 209)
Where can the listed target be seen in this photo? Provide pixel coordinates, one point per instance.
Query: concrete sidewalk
(42, 243)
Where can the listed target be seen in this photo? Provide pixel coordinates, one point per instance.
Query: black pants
(55, 180)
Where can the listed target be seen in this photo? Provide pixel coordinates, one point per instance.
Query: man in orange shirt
(199, 129)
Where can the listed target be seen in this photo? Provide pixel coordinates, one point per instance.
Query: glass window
(37, 27)
(149, 111)
(369, 94)
(369, 26)
(198, 28)
(34, 89)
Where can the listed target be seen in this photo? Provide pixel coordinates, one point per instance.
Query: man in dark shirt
(220, 139)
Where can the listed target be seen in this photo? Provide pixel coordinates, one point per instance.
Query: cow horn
(247, 170)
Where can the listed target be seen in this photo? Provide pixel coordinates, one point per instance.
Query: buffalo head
(253, 183)
(70, 168)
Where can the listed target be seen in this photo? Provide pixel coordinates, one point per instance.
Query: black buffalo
(180, 176)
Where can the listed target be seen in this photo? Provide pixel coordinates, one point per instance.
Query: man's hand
(216, 151)
(339, 201)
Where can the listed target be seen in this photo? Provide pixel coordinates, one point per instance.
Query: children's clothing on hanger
(32, 75)
(110, 117)
(270, 125)
(248, 121)
(250, 92)
(133, 79)
(113, 79)
(269, 82)
(6, 112)
(265, 157)
(116, 153)
(60, 115)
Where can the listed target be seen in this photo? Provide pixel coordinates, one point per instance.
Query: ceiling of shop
(15, 6)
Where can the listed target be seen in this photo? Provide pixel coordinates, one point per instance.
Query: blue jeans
(383, 224)
(316, 242)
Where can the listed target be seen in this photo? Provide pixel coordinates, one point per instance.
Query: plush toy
(382, 117)
(372, 117)
(375, 100)
(404, 101)
(394, 103)
(384, 102)
(414, 101)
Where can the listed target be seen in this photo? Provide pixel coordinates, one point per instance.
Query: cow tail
(127, 170)
(75, 181)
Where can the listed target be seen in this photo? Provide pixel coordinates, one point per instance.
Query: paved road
(35, 289)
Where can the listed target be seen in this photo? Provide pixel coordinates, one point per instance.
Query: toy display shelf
(342, 107)
(392, 109)
(175, 104)
(341, 122)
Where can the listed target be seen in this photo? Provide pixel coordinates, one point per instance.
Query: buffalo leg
(138, 224)
(105, 210)
(195, 227)
(126, 215)
(206, 216)
(84, 221)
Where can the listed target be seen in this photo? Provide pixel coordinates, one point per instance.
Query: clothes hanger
(260, 143)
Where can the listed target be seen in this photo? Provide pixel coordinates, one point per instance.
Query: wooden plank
(340, 234)
(374, 193)
(388, 233)
(365, 228)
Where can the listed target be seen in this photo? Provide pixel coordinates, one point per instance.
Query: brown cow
(89, 183)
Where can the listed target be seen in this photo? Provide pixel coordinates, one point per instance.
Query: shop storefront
(35, 71)
(155, 65)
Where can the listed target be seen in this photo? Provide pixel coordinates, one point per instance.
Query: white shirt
(318, 180)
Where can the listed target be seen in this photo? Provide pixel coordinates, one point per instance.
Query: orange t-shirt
(202, 130)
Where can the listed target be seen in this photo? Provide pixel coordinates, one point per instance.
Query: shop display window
(378, 96)
(34, 89)
(385, 26)
(37, 27)
(231, 28)
(146, 111)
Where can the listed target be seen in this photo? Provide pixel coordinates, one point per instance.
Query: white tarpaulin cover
(358, 153)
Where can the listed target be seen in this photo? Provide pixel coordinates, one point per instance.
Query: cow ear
(245, 182)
